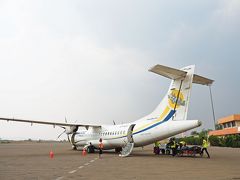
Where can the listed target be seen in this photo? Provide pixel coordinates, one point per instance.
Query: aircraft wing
(51, 123)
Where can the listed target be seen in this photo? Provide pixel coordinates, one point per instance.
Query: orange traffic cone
(51, 154)
(84, 152)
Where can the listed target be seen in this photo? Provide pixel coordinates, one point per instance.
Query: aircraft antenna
(211, 98)
(177, 97)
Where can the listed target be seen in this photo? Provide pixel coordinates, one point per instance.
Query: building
(227, 126)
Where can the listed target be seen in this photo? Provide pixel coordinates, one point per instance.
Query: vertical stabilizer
(176, 101)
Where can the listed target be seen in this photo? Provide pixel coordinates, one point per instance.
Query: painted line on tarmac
(80, 167)
(59, 178)
(71, 172)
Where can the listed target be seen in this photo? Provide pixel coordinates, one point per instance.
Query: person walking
(173, 146)
(100, 146)
(204, 147)
(156, 149)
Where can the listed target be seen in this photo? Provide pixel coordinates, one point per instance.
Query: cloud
(88, 60)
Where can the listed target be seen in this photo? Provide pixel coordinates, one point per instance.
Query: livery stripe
(156, 124)
(157, 120)
(153, 124)
(164, 113)
(171, 113)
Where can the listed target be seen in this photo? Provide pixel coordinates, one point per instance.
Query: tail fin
(176, 101)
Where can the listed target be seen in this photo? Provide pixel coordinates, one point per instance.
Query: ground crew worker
(156, 147)
(173, 147)
(204, 147)
(100, 146)
(182, 143)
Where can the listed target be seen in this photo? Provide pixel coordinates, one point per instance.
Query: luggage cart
(190, 151)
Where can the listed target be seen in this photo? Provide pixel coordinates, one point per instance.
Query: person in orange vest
(100, 146)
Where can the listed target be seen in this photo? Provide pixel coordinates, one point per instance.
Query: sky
(88, 61)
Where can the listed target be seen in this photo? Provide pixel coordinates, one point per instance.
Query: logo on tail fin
(173, 98)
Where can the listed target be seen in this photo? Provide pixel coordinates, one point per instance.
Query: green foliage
(194, 133)
(227, 141)
(191, 140)
(214, 140)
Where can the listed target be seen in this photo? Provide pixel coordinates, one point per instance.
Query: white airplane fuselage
(115, 136)
(168, 119)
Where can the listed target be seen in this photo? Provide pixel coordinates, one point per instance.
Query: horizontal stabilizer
(202, 80)
(174, 74)
(168, 72)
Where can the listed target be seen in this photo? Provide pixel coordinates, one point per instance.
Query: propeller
(64, 132)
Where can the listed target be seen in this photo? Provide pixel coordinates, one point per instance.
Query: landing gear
(74, 147)
(118, 149)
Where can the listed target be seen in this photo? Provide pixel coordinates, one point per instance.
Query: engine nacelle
(71, 129)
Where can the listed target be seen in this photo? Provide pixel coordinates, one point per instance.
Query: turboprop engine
(71, 129)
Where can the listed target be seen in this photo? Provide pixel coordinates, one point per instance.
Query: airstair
(126, 150)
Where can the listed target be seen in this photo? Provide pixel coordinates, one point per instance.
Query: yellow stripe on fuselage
(161, 117)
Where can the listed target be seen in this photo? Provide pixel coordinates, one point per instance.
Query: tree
(194, 133)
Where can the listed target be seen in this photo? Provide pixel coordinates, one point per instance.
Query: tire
(167, 152)
(118, 149)
(163, 151)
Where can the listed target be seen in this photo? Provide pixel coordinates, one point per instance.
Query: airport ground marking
(59, 178)
(73, 171)
(80, 167)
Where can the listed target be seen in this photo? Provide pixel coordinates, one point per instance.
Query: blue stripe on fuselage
(152, 126)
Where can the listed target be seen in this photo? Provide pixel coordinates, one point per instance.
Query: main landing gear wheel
(118, 149)
(74, 148)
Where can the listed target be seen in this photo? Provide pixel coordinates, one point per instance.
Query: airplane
(167, 120)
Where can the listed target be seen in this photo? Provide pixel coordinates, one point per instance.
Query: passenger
(185, 147)
(204, 147)
(100, 146)
(90, 148)
(156, 147)
(182, 144)
(173, 146)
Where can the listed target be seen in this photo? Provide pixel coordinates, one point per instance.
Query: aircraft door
(129, 133)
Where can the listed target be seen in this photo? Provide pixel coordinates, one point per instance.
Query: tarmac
(30, 160)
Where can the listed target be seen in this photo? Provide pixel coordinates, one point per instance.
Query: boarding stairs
(126, 150)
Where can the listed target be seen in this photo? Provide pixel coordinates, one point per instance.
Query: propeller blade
(68, 139)
(61, 133)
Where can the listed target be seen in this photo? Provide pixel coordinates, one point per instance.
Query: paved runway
(30, 160)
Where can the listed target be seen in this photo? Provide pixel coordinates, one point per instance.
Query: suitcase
(156, 150)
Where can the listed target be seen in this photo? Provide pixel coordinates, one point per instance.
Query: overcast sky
(89, 60)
